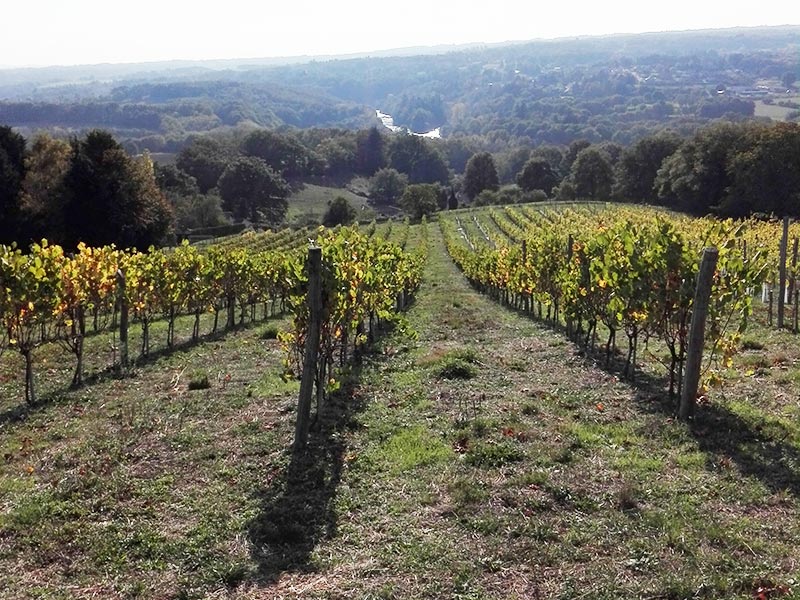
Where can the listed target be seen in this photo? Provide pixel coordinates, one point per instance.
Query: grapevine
(629, 270)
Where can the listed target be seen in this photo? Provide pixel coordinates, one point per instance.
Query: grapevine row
(47, 296)
(366, 281)
(628, 271)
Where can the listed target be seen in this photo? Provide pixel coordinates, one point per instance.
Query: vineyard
(622, 270)
(49, 297)
(494, 414)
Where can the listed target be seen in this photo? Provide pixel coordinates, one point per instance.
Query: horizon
(155, 32)
(378, 52)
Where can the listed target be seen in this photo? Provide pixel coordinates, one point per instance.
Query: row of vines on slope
(47, 296)
(623, 270)
(366, 281)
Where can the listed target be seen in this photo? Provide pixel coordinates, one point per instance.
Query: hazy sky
(47, 32)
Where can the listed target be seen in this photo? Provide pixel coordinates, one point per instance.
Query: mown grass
(142, 486)
(541, 475)
(309, 204)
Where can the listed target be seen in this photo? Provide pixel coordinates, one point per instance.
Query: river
(388, 122)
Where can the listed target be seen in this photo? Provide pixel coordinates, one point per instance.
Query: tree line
(83, 189)
(90, 189)
(730, 169)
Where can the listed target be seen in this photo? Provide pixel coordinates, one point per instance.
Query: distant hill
(614, 88)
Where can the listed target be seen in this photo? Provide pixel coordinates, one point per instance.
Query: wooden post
(526, 299)
(792, 275)
(697, 332)
(568, 323)
(782, 272)
(314, 266)
(770, 297)
(796, 300)
(122, 300)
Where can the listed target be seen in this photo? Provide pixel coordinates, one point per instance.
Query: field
(310, 203)
(474, 453)
(773, 111)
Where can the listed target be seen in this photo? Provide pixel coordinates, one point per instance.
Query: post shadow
(297, 507)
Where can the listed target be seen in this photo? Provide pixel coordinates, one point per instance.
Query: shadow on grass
(22, 411)
(298, 507)
(775, 462)
(720, 432)
(187, 344)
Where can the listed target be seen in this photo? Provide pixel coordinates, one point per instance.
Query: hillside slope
(474, 455)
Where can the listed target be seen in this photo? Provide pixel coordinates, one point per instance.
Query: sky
(68, 32)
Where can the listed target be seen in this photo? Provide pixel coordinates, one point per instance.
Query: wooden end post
(697, 332)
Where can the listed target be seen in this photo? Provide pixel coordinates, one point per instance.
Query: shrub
(199, 381)
(456, 368)
(493, 454)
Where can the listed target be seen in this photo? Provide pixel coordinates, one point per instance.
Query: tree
(110, 198)
(340, 212)
(572, 154)
(198, 211)
(480, 174)
(204, 159)
(370, 151)
(283, 153)
(458, 151)
(535, 196)
(694, 178)
(554, 157)
(612, 150)
(510, 163)
(387, 185)
(338, 158)
(191, 208)
(639, 165)
(452, 200)
(250, 189)
(486, 198)
(420, 200)
(12, 172)
(151, 216)
(565, 191)
(537, 174)
(417, 158)
(765, 175)
(722, 106)
(43, 188)
(509, 194)
(419, 112)
(421, 120)
(592, 174)
(175, 182)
